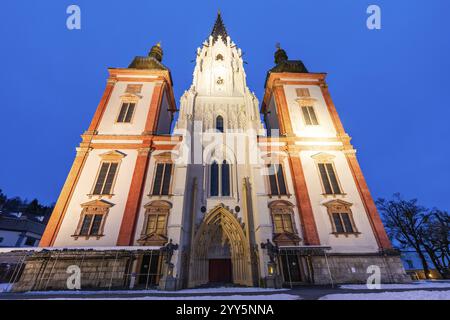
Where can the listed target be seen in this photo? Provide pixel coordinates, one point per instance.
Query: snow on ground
(414, 285)
(180, 292)
(404, 295)
(234, 297)
(5, 287)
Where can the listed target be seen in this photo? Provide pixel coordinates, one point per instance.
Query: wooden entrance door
(220, 271)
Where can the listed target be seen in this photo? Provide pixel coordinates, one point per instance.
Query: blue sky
(390, 86)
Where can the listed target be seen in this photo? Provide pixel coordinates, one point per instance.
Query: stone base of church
(122, 269)
(98, 270)
(353, 268)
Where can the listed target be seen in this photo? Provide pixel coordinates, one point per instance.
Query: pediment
(306, 101)
(158, 204)
(153, 239)
(286, 238)
(323, 157)
(337, 202)
(130, 97)
(113, 155)
(98, 203)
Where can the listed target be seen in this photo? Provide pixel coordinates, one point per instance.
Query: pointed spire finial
(278, 45)
(219, 29)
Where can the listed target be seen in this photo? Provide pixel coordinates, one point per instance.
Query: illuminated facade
(229, 176)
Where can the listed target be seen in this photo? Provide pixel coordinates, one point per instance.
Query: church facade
(232, 191)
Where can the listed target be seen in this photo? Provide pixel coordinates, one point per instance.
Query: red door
(220, 270)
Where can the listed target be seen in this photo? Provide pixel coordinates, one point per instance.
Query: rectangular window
(310, 116)
(96, 224)
(151, 224)
(283, 223)
(91, 225)
(342, 223)
(156, 224)
(278, 222)
(86, 226)
(338, 223)
(287, 223)
(329, 178)
(276, 179)
(126, 112)
(106, 178)
(347, 223)
(161, 184)
(302, 92)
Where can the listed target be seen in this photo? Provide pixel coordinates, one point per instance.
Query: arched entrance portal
(220, 251)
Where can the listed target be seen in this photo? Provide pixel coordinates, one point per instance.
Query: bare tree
(426, 231)
(436, 240)
(405, 221)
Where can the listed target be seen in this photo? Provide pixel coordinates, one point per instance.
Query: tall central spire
(219, 29)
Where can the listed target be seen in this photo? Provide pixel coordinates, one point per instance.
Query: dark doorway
(291, 268)
(220, 271)
(149, 272)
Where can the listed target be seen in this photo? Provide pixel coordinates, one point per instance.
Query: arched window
(214, 179)
(220, 179)
(225, 179)
(219, 124)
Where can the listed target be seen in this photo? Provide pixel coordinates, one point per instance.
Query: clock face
(219, 80)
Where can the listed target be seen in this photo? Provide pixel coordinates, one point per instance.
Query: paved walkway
(304, 292)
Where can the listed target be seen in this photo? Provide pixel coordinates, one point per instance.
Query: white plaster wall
(108, 123)
(80, 196)
(366, 241)
(325, 127)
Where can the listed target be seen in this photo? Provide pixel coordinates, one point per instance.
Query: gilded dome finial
(156, 52)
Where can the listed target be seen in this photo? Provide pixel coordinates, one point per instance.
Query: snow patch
(404, 295)
(225, 298)
(414, 285)
(159, 292)
(5, 287)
